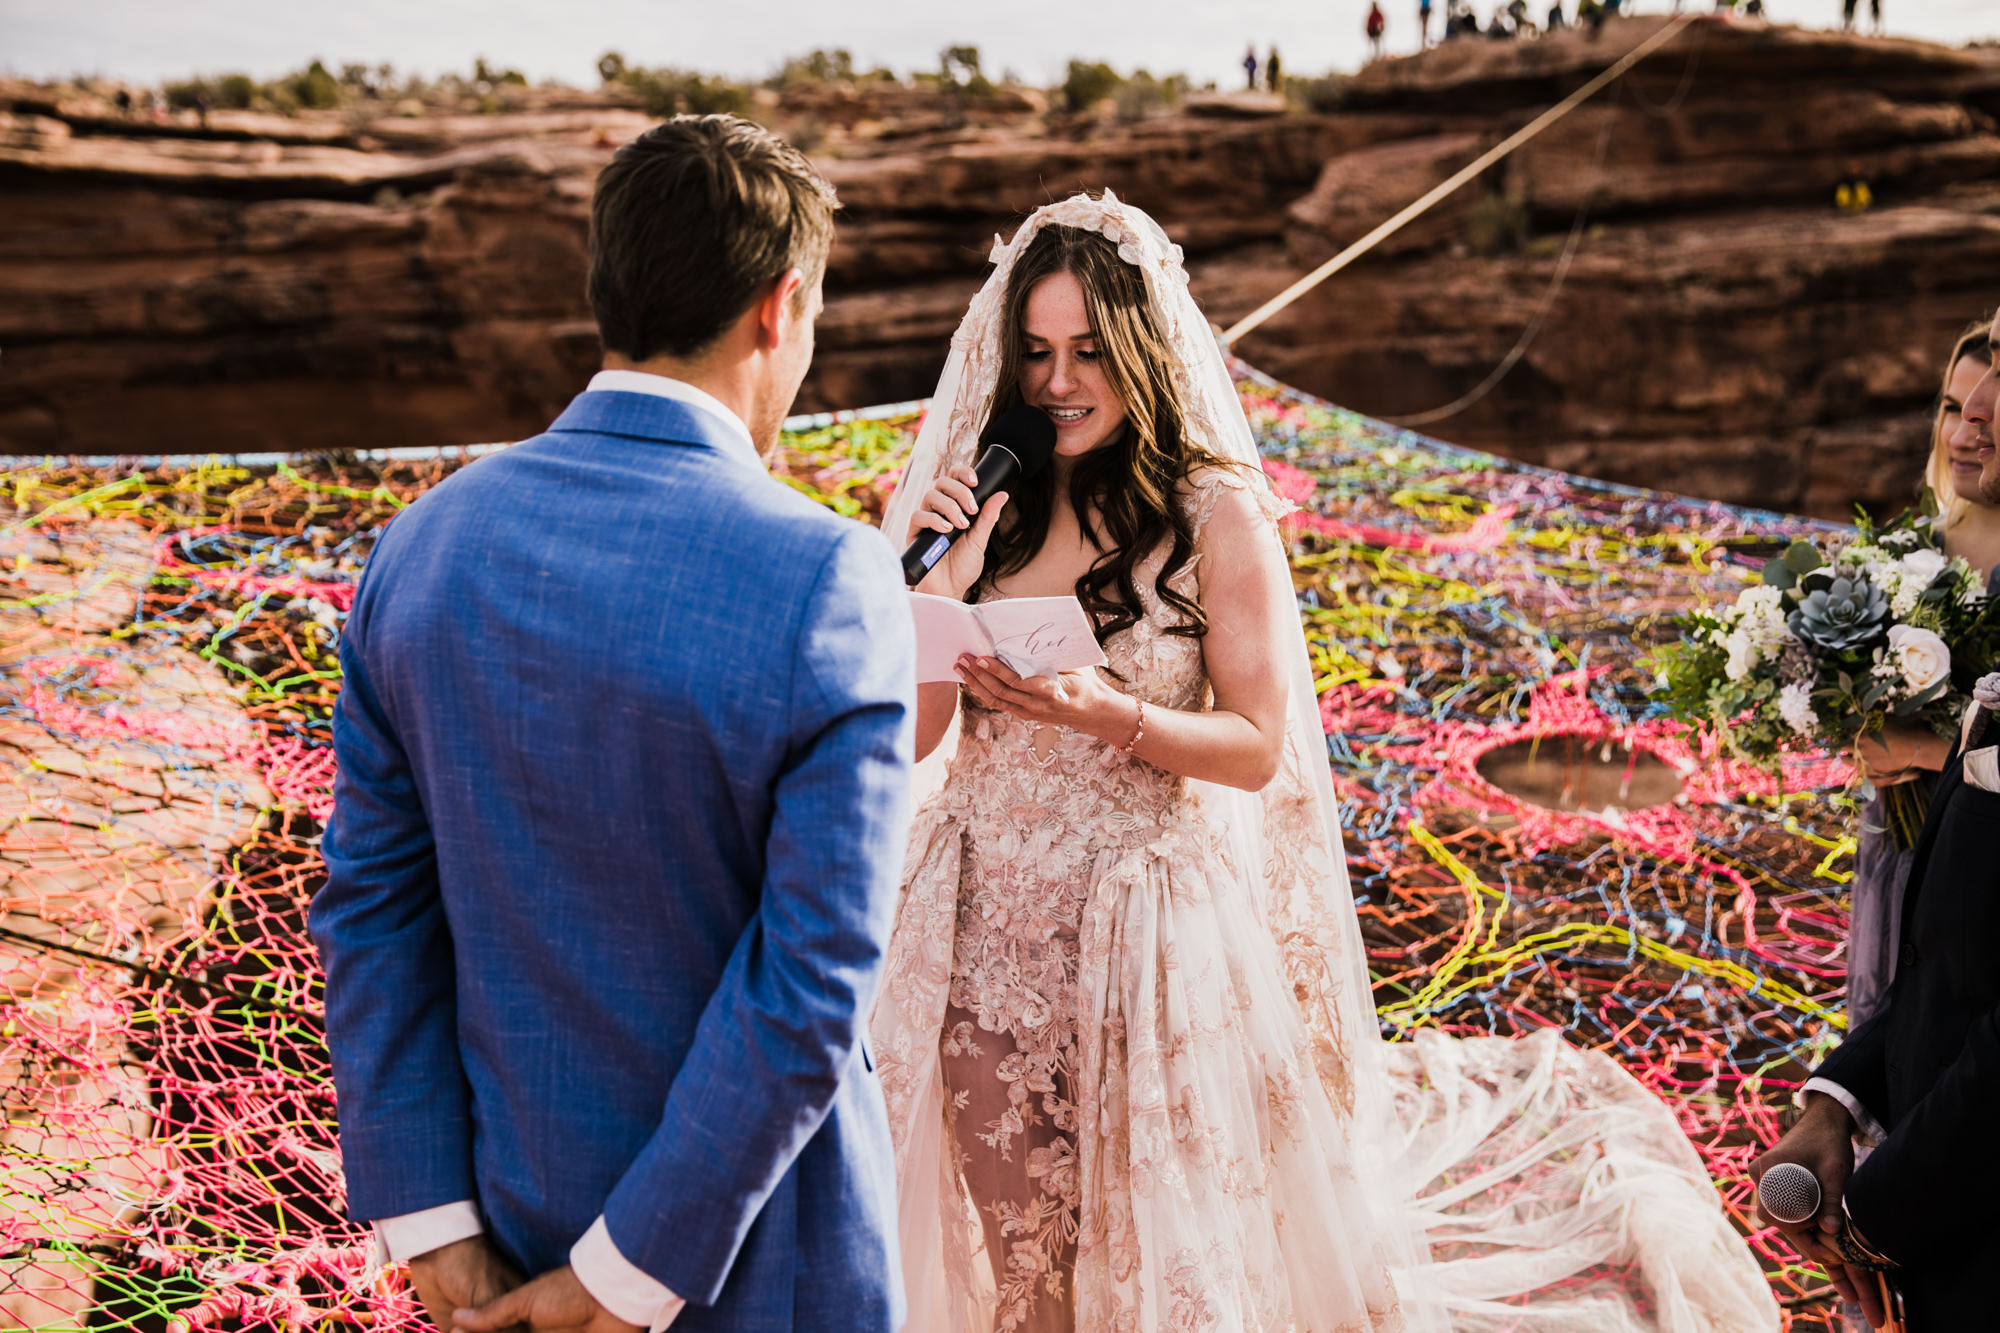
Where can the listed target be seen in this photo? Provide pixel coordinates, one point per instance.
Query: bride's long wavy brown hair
(1127, 492)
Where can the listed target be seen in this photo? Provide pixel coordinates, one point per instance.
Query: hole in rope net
(1580, 773)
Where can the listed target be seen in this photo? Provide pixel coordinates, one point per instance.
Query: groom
(624, 747)
(1922, 1077)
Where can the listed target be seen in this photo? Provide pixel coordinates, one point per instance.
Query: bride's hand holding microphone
(1080, 700)
(950, 507)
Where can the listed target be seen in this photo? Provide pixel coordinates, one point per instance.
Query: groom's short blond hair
(690, 222)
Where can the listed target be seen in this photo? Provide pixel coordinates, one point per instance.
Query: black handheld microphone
(1019, 443)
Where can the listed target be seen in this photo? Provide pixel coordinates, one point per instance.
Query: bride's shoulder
(1230, 496)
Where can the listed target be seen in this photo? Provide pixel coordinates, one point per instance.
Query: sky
(147, 41)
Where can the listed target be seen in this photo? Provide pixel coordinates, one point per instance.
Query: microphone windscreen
(1789, 1192)
(1027, 432)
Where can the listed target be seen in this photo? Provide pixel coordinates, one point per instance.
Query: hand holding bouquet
(1832, 646)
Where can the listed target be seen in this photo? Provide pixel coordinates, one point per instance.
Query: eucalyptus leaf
(1776, 575)
(1802, 557)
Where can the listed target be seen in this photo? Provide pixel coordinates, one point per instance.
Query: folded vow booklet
(1034, 636)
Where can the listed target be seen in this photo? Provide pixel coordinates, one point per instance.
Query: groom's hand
(553, 1301)
(460, 1275)
(1822, 1142)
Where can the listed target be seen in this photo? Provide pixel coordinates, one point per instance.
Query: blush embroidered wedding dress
(1129, 1047)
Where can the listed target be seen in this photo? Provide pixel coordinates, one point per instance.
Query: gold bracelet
(1126, 748)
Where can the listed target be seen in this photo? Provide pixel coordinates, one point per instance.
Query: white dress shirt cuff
(625, 1290)
(1871, 1129)
(404, 1237)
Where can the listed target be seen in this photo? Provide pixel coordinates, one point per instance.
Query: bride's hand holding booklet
(1033, 636)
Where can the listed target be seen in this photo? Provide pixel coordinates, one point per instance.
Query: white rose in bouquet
(1915, 572)
(1920, 656)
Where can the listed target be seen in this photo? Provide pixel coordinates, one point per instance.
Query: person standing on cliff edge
(1250, 68)
(624, 755)
(1377, 24)
(1921, 1078)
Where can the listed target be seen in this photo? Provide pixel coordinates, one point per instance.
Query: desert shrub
(1142, 95)
(238, 92)
(667, 92)
(1496, 224)
(1088, 83)
(959, 64)
(817, 66)
(312, 87)
(961, 79)
(1323, 94)
(225, 92)
(495, 78)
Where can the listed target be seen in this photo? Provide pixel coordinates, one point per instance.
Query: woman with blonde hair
(1966, 526)
(1126, 1032)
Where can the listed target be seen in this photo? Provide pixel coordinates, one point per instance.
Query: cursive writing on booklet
(1034, 636)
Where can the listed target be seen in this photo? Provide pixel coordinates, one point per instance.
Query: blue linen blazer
(624, 750)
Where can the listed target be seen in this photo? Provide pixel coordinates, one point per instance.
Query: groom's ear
(785, 303)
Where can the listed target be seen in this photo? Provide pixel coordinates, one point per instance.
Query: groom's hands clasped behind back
(556, 1301)
(462, 1275)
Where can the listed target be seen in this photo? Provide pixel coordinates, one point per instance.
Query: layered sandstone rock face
(1722, 328)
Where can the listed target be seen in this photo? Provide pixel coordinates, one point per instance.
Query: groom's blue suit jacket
(624, 746)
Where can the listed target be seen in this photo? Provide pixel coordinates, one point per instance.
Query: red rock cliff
(1722, 328)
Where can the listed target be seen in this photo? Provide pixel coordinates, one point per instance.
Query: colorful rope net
(1532, 845)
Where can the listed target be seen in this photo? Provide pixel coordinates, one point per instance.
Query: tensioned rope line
(1528, 335)
(1458, 179)
(1534, 327)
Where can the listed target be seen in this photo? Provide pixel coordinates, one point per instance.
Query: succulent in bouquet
(1833, 644)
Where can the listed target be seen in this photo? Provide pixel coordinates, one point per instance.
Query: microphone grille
(1789, 1192)
(1027, 431)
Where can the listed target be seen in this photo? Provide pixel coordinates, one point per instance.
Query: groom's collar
(654, 407)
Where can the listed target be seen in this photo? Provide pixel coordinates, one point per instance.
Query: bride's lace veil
(1284, 841)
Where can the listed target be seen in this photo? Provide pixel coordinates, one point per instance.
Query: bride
(1126, 1032)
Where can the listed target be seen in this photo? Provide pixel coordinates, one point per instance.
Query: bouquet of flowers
(1832, 645)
